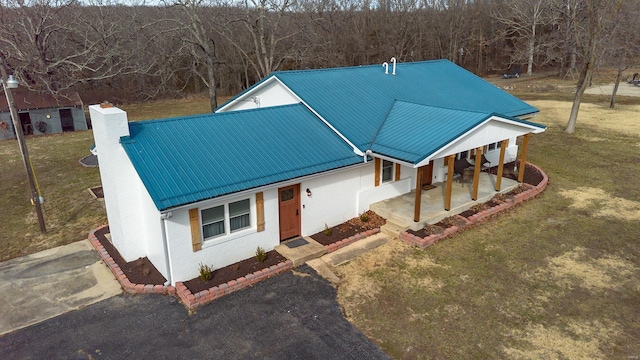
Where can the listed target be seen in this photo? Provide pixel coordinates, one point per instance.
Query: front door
(427, 174)
(289, 210)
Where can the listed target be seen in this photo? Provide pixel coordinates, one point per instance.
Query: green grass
(70, 211)
(497, 296)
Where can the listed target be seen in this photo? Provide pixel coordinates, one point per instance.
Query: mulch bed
(531, 176)
(349, 228)
(478, 208)
(439, 227)
(233, 272)
(139, 271)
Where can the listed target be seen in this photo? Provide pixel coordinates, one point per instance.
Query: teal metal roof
(356, 100)
(411, 132)
(189, 159)
(431, 128)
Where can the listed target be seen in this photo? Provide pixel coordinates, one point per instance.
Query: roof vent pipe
(386, 67)
(393, 60)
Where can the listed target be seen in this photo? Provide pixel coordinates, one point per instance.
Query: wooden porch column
(503, 149)
(447, 201)
(476, 173)
(416, 206)
(523, 157)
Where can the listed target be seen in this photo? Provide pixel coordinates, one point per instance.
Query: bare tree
(263, 30)
(52, 49)
(623, 44)
(522, 20)
(593, 18)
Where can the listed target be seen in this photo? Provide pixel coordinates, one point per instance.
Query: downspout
(165, 246)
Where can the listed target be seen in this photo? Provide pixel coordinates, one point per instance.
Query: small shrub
(205, 272)
(261, 255)
(364, 217)
(327, 230)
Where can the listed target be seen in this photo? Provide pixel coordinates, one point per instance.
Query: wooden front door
(427, 174)
(289, 211)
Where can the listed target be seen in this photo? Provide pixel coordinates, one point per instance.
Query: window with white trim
(225, 219)
(387, 171)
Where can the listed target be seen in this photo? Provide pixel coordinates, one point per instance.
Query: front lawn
(557, 277)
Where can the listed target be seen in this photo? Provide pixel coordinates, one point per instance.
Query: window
(492, 146)
(387, 171)
(233, 216)
(239, 215)
(213, 222)
(463, 155)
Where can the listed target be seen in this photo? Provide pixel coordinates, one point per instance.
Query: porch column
(476, 173)
(447, 201)
(416, 207)
(523, 157)
(503, 149)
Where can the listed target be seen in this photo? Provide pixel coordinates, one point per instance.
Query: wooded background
(126, 51)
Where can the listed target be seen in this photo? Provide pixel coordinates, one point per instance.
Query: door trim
(294, 215)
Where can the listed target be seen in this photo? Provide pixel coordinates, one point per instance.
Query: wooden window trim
(378, 165)
(260, 211)
(397, 172)
(196, 231)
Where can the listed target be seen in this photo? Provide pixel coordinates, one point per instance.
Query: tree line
(127, 50)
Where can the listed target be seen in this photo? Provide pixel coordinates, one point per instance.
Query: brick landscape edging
(190, 300)
(350, 240)
(127, 285)
(532, 192)
(203, 297)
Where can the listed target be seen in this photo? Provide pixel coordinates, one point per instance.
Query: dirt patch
(577, 340)
(602, 204)
(349, 228)
(140, 271)
(234, 271)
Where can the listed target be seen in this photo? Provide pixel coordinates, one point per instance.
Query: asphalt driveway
(294, 315)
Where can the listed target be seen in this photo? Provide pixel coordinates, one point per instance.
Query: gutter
(165, 247)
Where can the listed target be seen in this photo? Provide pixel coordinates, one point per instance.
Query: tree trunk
(615, 88)
(531, 50)
(582, 86)
(213, 99)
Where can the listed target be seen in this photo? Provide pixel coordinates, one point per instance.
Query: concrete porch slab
(301, 254)
(399, 210)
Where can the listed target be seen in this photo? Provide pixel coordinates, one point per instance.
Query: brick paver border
(190, 300)
(531, 192)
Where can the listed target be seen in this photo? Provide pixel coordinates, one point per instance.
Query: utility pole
(35, 196)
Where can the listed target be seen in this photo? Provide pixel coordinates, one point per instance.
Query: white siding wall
(220, 252)
(269, 94)
(334, 199)
(120, 183)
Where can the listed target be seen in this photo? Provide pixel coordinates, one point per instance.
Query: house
(295, 152)
(42, 114)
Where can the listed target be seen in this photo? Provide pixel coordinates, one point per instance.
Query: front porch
(399, 211)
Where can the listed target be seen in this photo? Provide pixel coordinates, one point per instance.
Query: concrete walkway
(624, 89)
(43, 285)
(324, 264)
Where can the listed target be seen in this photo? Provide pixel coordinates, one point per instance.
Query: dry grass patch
(577, 268)
(602, 204)
(576, 340)
(623, 119)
